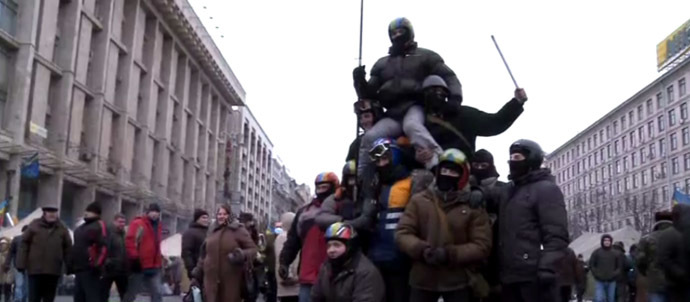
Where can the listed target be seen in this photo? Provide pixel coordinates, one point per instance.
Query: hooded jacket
(306, 239)
(532, 216)
(358, 281)
(90, 246)
(605, 263)
(396, 79)
(464, 232)
(647, 258)
(192, 239)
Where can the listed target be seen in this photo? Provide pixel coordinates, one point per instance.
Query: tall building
(122, 101)
(286, 192)
(250, 175)
(625, 166)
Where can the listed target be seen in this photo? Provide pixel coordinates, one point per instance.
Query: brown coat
(464, 232)
(44, 248)
(222, 280)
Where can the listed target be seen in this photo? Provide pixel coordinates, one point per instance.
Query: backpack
(98, 252)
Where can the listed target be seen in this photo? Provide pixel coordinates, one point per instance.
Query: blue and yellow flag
(680, 198)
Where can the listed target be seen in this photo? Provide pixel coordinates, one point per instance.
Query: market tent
(16, 230)
(172, 246)
(587, 243)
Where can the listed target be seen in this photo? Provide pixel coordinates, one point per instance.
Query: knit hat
(94, 207)
(483, 156)
(154, 207)
(198, 213)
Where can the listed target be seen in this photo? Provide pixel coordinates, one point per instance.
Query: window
(615, 127)
(601, 136)
(650, 107)
(675, 166)
(664, 193)
(640, 134)
(672, 117)
(589, 144)
(650, 129)
(624, 143)
(686, 160)
(661, 123)
(643, 155)
(635, 179)
(595, 139)
(632, 139)
(684, 111)
(664, 169)
(662, 149)
(631, 119)
(645, 178)
(674, 141)
(681, 87)
(625, 163)
(4, 73)
(623, 124)
(618, 167)
(640, 115)
(654, 173)
(608, 150)
(608, 132)
(633, 159)
(652, 148)
(669, 91)
(615, 147)
(686, 136)
(627, 183)
(659, 101)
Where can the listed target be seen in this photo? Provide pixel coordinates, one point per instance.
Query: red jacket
(143, 243)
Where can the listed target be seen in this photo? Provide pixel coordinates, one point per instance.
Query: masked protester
(459, 128)
(306, 238)
(446, 238)
(347, 275)
(342, 207)
(533, 231)
(395, 81)
(368, 112)
(485, 176)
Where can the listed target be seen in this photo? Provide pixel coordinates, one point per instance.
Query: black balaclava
(484, 156)
(447, 183)
(391, 173)
(324, 195)
(520, 168)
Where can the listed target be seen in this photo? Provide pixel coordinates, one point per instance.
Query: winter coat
(464, 232)
(45, 248)
(90, 246)
(337, 209)
(648, 258)
(494, 191)
(222, 279)
(306, 238)
(605, 263)
(396, 80)
(570, 271)
(116, 264)
(6, 276)
(192, 239)
(390, 207)
(354, 149)
(671, 258)
(533, 215)
(358, 281)
(470, 123)
(143, 242)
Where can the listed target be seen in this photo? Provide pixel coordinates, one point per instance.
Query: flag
(30, 166)
(680, 198)
(3, 209)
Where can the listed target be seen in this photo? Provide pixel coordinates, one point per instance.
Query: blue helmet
(386, 147)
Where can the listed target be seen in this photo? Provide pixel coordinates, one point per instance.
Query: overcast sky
(576, 60)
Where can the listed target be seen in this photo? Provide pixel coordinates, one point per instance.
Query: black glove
(546, 278)
(359, 74)
(284, 272)
(236, 257)
(134, 266)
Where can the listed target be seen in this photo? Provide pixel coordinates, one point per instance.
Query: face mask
(518, 168)
(447, 183)
(385, 173)
(481, 174)
(324, 195)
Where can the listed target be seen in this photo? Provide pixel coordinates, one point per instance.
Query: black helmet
(531, 150)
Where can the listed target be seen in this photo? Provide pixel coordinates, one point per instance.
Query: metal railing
(8, 16)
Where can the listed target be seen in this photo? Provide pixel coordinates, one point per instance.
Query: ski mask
(518, 168)
(483, 165)
(323, 195)
(401, 33)
(447, 183)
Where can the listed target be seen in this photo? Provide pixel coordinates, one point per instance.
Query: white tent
(172, 246)
(16, 230)
(587, 243)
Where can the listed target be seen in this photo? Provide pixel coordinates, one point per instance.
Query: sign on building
(674, 48)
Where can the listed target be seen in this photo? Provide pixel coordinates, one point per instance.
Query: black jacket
(14, 247)
(532, 215)
(358, 281)
(354, 149)
(116, 264)
(192, 239)
(90, 235)
(471, 122)
(494, 191)
(606, 263)
(396, 80)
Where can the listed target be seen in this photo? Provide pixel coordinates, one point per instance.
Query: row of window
(628, 120)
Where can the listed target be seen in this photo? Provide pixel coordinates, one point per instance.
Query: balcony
(8, 16)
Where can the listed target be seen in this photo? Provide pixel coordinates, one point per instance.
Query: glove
(284, 272)
(435, 256)
(359, 74)
(236, 257)
(135, 265)
(546, 278)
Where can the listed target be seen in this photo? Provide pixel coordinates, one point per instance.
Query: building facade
(622, 169)
(250, 176)
(288, 196)
(123, 101)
